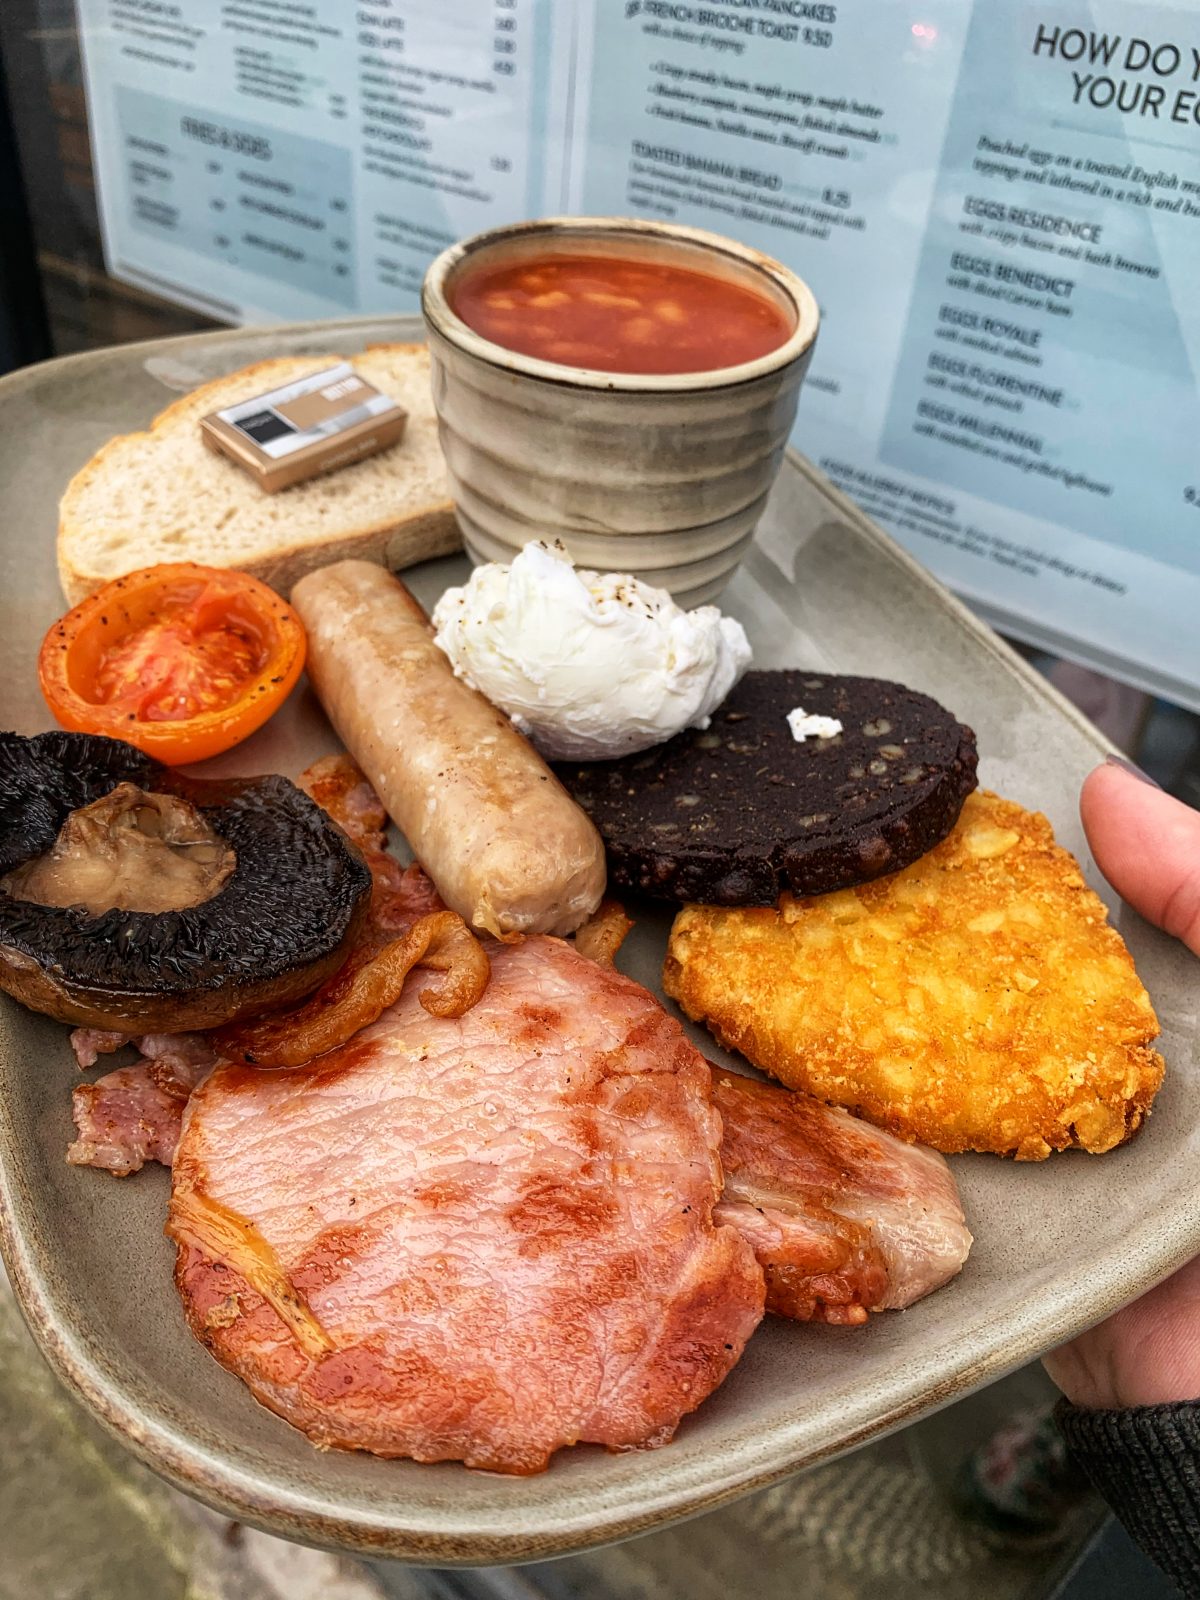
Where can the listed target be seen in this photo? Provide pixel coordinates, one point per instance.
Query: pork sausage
(507, 847)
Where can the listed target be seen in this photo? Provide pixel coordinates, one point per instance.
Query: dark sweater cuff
(1145, 1461)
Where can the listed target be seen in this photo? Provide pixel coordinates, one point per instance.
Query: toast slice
(164, 496)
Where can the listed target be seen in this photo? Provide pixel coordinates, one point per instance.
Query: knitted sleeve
(1145, 1461)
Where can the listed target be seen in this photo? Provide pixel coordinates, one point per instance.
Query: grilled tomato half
(181, 660)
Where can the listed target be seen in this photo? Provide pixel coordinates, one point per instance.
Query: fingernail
(1134, 772)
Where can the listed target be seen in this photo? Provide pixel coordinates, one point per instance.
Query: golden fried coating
(978, 1000)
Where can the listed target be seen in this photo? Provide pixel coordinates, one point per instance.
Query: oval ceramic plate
(1057, 1244)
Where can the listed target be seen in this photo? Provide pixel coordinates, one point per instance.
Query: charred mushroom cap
(283, 922)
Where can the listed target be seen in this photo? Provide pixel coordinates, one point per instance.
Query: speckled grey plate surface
(1057, 1244)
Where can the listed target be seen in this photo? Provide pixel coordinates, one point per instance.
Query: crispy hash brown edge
(976, 1000)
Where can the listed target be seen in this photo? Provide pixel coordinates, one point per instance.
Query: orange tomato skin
(181, 660)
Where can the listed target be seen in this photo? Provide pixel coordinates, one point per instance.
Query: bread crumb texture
(163, 495)
(977, 1000)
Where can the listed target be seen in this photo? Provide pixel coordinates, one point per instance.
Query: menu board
(997, 206)
(266, 159)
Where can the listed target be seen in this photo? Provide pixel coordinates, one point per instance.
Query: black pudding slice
(735, 815)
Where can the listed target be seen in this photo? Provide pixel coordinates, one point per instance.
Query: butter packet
(306, 428)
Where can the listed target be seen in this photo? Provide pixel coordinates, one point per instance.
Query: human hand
(1148, 847)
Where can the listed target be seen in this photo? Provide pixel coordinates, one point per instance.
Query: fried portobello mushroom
(136, 899)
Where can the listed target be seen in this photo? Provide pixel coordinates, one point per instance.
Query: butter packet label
(314, 425)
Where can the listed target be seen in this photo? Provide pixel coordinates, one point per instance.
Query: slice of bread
(164, 496)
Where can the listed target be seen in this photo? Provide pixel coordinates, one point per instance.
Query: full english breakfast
(446, 1184)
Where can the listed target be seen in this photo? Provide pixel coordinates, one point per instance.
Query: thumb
(1148, 847)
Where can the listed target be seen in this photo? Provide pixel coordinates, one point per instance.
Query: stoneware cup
(664, 476)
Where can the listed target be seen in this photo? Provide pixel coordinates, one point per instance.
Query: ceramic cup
(664, 476)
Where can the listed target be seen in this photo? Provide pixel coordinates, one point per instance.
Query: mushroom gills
(131, 850)
(141, 900)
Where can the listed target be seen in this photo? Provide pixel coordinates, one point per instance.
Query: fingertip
(1104, 790)
(1147, 845)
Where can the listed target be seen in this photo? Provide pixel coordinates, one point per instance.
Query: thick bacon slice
(125, 1120)
(371, 980)
(844, 1218)
(401, 895)
(501, 1223)
(134, 1114)
(89, 1044)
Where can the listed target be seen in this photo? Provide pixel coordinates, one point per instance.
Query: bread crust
(397, 541)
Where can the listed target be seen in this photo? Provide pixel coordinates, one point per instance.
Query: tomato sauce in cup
(619, 314)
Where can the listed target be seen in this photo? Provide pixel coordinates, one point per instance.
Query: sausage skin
(507, 847)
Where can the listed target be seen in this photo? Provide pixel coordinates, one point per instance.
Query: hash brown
(976, 1000)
